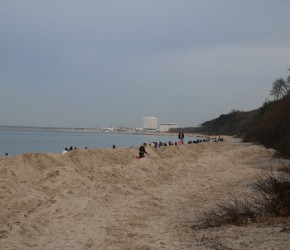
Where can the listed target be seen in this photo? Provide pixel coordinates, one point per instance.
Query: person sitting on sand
(65, 151)
(142, 150)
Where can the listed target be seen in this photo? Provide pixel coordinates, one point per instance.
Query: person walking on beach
(142, 150)
(181, 136)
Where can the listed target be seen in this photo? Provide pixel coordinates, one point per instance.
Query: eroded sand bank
(108, 199)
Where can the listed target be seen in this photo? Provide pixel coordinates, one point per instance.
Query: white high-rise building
(149, 123)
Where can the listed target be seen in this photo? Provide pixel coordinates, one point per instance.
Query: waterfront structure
(149, 123)
(164, 127)
(107, 129)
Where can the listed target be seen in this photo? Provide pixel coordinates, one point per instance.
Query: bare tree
(279, 88)
(288, 83)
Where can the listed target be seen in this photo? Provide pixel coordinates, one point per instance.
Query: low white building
(107, 129)
(164, 127)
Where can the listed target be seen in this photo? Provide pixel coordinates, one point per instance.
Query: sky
(108, 63)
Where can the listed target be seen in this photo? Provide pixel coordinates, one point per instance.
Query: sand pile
(108, 199)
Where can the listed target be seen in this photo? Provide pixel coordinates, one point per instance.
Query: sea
(21, 140)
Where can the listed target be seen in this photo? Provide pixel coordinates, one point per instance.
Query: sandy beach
(108, 199)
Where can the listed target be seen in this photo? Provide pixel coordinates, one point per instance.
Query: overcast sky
(90, 63)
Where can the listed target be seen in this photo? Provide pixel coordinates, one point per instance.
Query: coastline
(99, 130)
(21, 140)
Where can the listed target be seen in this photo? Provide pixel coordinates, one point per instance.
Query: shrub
(231, 211)
(270, 196)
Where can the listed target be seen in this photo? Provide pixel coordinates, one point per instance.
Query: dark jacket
(181, 135)
(142, 151)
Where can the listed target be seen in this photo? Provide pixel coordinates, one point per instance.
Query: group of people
(142, 150)
(69, 149)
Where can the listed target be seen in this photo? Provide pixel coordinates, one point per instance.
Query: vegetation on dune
(269, 197)
(268, 125)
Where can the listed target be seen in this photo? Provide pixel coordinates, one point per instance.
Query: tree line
(268, 125)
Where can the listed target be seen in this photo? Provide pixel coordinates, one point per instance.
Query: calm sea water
(16, 141)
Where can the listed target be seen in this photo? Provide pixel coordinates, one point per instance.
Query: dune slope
(108, 199)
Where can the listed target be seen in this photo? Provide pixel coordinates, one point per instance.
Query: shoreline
(56, 140)
(132, 131)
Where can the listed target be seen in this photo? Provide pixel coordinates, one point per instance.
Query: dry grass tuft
(283, 168)
(231, 211)
(270, 196)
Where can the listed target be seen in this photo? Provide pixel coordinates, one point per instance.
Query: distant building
(164, 127)
(149, 123)
(107, 129)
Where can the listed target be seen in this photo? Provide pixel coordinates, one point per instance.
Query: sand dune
(108, 199)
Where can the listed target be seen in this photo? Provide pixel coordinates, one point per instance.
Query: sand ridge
(108, 199)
